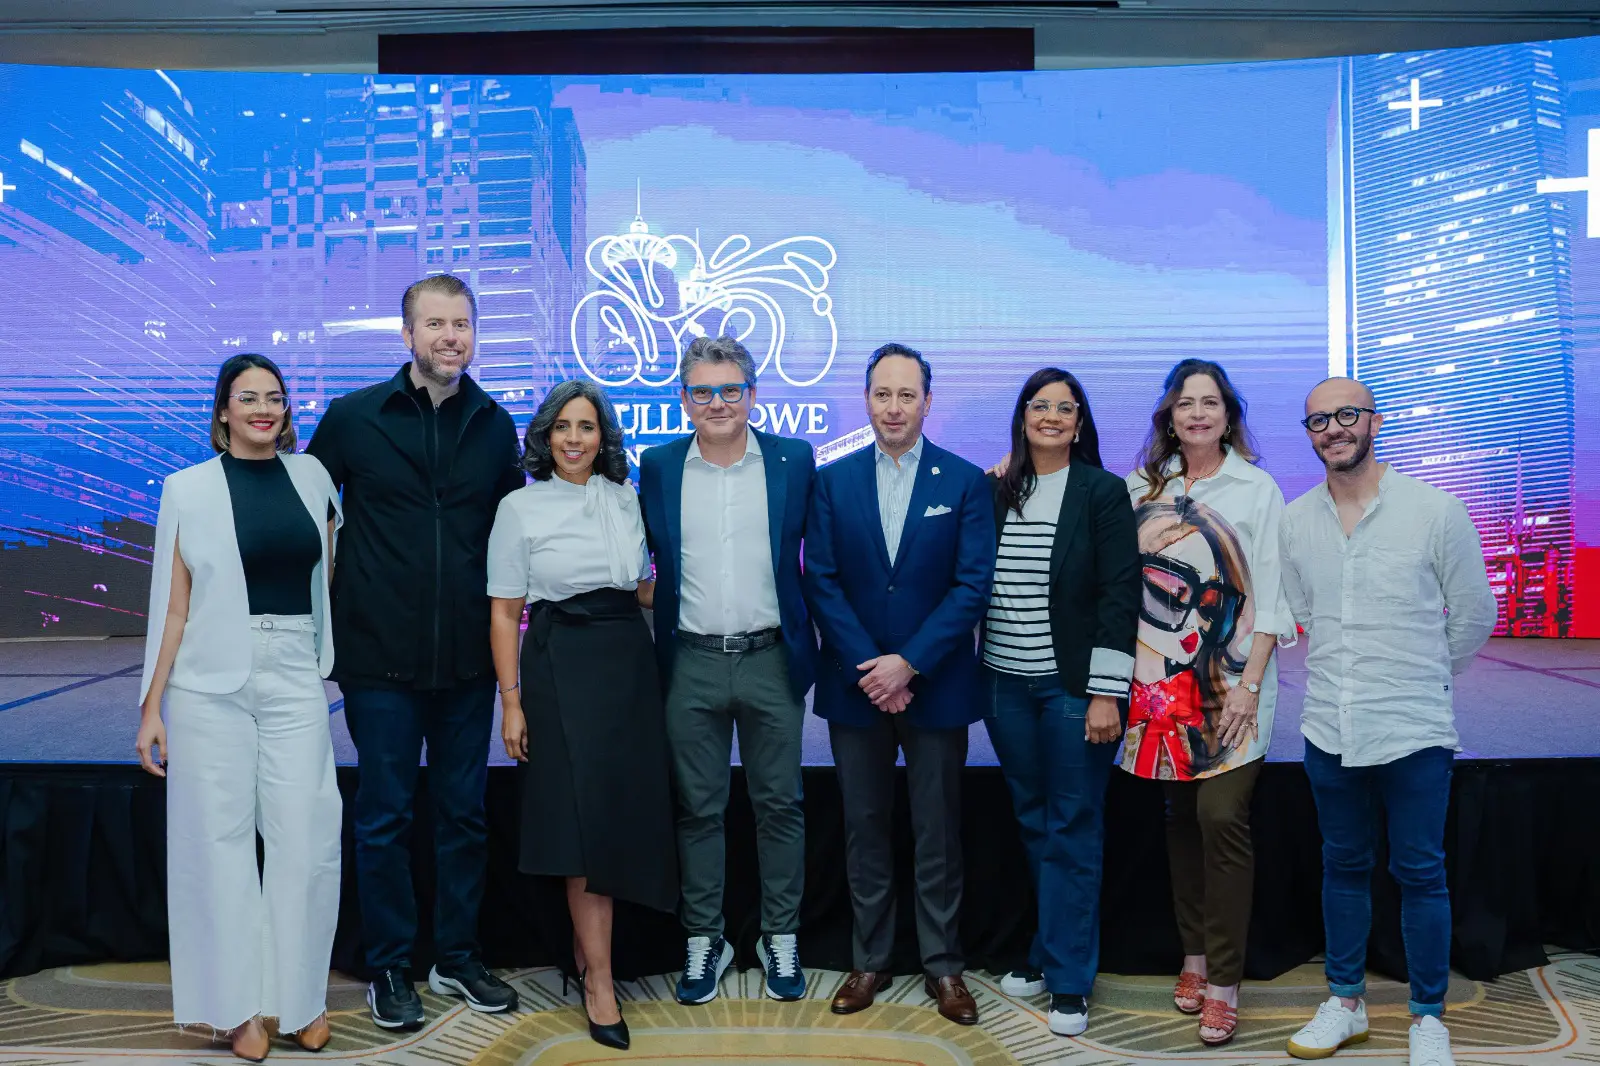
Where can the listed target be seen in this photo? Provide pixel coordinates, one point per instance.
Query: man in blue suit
(725, 510)
(899, 561)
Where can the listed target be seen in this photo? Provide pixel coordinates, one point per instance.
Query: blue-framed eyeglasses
(704, 394)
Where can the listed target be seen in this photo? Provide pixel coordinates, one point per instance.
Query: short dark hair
(538, 459)
(713, 350)
(445, 284)
(232, 367)
(903, 352)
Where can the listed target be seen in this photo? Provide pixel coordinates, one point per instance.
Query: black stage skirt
(596, 796)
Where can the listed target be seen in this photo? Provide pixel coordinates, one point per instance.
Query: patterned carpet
(120, 1012)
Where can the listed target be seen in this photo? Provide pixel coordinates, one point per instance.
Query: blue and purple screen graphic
(1426, 221)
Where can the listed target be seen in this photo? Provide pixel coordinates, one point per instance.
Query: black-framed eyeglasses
(272, 401)
(1173, 591)
(1346, 416)
(1064, 408)
(704, 394)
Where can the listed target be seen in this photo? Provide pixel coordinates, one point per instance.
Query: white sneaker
(1333, 1028)
(1023, 983)
(1430, 1043)
(1069, 1015)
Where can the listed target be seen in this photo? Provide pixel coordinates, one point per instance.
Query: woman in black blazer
(1058, 643)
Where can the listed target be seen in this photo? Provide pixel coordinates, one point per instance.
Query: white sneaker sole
(1069, 1024)
(1300, 1051)
(716, 986)
(445, 986)
(1021, 989)
(389, 1023)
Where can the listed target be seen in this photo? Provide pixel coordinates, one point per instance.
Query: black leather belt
(740, 642)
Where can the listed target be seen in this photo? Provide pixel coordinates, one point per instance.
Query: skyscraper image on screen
(1459, 307)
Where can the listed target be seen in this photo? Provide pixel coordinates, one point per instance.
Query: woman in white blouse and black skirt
(1058, 645)
(585, 718)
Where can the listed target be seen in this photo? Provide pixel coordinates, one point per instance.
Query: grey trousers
(865, 759)
(710, 692)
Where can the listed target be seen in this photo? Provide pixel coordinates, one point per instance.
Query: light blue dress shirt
(895, 481)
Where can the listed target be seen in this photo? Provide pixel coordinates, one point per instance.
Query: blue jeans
(1415, 792)
(388, 728)
(1058, 790)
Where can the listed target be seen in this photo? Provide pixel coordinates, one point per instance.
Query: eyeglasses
(1173, 591)
(704, 394)
(272, 401)
(1347, 416)
(1065, 408)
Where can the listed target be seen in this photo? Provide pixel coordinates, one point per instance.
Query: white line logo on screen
(655, 294)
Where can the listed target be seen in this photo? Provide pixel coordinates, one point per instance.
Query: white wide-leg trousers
(250, 941)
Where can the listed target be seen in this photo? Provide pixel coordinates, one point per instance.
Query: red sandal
(1190, 986)
(1218, 1015)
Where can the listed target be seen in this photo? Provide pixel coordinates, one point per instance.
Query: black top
(420, 486)
(278, 542)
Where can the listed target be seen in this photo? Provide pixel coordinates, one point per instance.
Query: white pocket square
(934, 512)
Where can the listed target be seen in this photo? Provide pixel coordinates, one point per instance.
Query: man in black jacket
(423, 460)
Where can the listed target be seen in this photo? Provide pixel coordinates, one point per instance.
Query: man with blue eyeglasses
(724, 510)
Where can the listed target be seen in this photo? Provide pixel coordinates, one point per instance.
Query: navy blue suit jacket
(790, 467)
(926, 606)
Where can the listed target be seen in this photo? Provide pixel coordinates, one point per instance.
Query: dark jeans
(389, 728)
(1058, 790)
(1415, 792)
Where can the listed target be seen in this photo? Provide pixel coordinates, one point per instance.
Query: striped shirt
(1017, 637)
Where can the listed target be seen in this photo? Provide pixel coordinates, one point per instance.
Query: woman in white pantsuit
(239, 643)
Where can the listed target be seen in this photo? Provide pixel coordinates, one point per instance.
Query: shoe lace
(1330, 1018)
(699, 955)
(1431, 1040)
(785, 954)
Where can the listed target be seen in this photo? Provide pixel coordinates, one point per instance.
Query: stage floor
(75, 701)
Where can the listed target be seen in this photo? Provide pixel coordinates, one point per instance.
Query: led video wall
(1423, 220)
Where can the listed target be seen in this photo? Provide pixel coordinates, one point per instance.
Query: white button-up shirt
(728, 586)
(1392, 612)
(895, 482)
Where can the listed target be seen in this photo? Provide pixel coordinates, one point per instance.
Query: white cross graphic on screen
(4, 188)
(1588, 183)
(1415, 104)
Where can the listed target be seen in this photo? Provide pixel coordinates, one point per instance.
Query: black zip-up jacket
(410, 582)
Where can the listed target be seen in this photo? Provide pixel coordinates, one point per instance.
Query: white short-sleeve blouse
(553, 540)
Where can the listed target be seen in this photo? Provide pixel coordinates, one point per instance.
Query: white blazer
(215, 653)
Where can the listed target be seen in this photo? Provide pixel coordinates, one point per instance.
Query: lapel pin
(935, 470)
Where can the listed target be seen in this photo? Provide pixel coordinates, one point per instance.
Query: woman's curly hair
(538, 459)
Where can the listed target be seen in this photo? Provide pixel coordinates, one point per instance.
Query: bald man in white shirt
(1386, 575)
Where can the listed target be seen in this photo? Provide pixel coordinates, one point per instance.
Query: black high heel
(614, 1035)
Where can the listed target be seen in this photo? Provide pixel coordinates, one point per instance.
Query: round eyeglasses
(1065, 408)
(1346, 416)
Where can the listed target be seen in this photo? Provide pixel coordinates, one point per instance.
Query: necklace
(1192, 477)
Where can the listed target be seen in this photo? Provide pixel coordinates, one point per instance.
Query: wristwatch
(1252, 688)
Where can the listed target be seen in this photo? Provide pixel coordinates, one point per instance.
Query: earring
(1170, 431)
(1075, 438)
(1227, 433)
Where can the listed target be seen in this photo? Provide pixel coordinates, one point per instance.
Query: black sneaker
(394, 1003)
(483, 991)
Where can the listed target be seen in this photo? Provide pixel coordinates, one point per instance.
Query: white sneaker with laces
(1430, 1043)
(1334, 1027)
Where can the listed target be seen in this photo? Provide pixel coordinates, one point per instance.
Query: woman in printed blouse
(1204, 682)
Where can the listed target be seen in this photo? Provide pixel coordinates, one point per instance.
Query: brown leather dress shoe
(859, 990)
(315, 1036)
(955, 1002)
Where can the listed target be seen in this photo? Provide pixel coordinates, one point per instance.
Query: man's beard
(1362, 448)
(430, 369)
